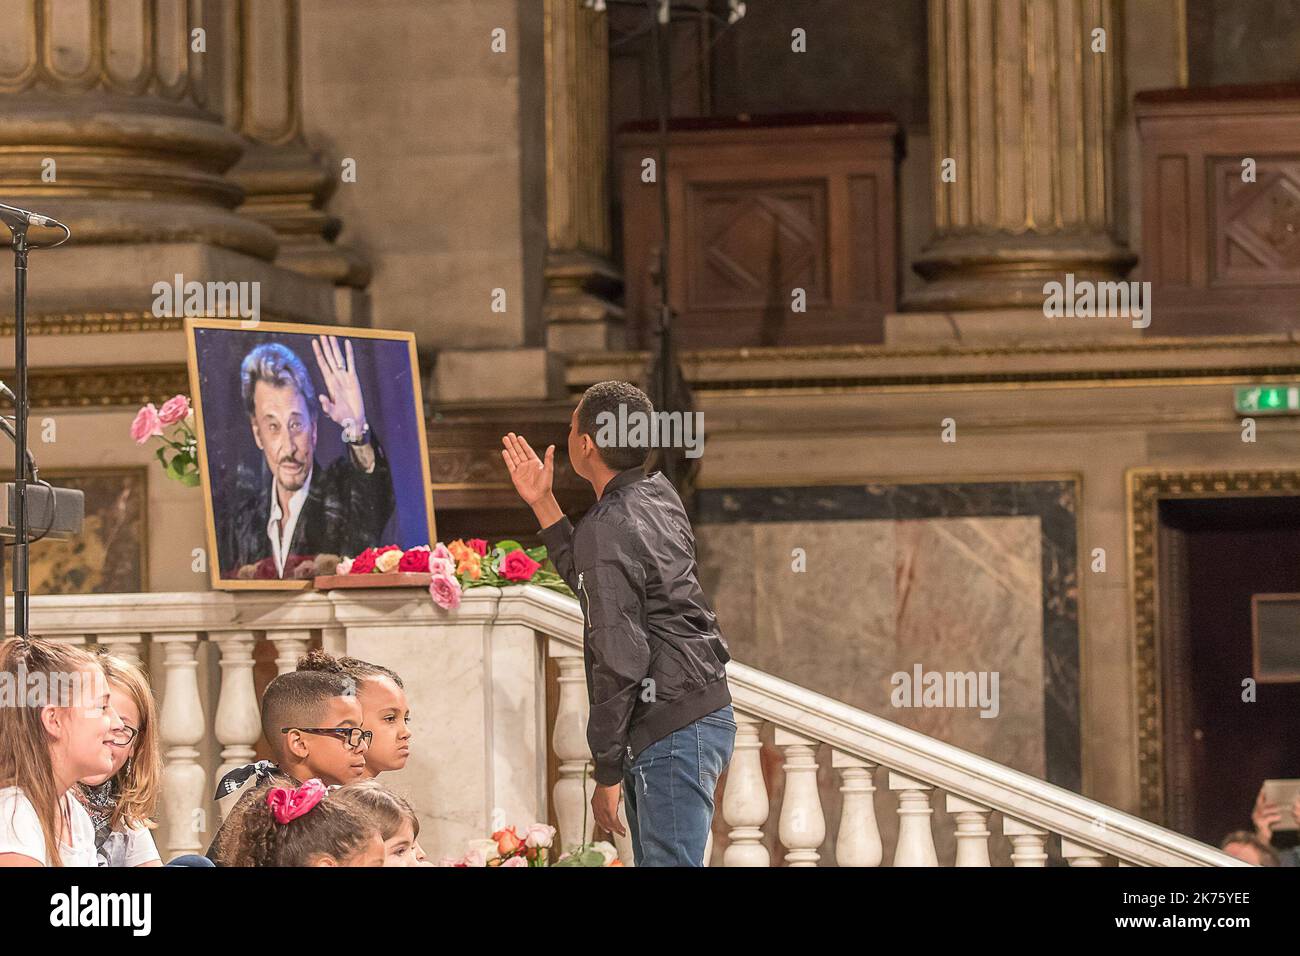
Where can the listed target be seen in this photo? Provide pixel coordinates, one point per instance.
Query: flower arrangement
(508, 847)
(177, 414)
(461, 565)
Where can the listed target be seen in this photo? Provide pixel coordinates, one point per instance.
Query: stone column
(1025, 108)
(286, 183)
(580, 281)
(105, 123)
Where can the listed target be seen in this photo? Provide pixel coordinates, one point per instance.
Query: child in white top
(122, 802)
(56, 727)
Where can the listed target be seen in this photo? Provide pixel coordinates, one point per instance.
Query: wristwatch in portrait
(356, 436)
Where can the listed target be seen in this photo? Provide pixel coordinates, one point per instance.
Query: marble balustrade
(487, 754)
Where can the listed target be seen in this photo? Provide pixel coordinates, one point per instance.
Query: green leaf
(508, 545)
(538, 553)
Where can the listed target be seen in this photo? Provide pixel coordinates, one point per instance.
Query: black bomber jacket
(653, 652)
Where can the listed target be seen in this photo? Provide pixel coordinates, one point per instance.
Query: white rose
(487, 848)
(539, 835)
(345, 566)
(387, 562)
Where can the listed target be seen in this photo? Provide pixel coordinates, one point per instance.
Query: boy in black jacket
(661, 723)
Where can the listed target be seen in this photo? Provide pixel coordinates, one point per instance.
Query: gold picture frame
(259, 331)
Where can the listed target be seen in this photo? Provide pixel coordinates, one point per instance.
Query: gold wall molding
(104, 386)
(1146, 487)
(94, 323)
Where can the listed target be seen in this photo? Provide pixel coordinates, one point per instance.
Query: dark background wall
(1243, 41)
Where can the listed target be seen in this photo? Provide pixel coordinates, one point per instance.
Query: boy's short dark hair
(605, 398)
(299, 699)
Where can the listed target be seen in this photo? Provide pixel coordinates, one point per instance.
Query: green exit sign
(1268, 400)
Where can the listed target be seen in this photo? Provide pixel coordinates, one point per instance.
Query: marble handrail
(1076, 819)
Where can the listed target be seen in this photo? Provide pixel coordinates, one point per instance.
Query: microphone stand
(21, 593)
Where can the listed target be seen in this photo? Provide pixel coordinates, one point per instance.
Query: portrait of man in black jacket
(661, 727)
(298, 507)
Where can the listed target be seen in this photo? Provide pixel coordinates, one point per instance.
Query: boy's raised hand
(531, 476)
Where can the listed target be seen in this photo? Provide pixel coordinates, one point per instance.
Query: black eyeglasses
(352, 737)
(124, 736)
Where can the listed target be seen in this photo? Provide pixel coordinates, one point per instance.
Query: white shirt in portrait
(277, 529)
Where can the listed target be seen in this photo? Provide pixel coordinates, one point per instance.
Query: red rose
(518, 566)
(266, 570)
(417, 559)
(364, 562)
(479, 545)
(387, 547)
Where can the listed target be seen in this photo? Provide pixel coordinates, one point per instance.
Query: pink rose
(445, 590)
(147, 424)
(441, 561)
(515, 861)
(174, 409)
(518, 566)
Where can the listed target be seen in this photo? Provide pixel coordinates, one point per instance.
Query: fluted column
(105, 123)
(745, 804)
(581, 284)
(573, 790)
(1024, 109)
(285, 182)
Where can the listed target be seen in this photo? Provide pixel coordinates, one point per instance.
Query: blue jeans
(668, 791)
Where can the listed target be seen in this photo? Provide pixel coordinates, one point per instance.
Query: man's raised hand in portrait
(345, 405)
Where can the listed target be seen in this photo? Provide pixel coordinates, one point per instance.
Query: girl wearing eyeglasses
(121, 802)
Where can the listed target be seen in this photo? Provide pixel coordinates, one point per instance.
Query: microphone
(13, 216)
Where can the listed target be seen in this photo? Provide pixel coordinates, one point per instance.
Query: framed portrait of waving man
(311, 447)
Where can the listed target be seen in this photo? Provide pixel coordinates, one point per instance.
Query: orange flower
(508, 841)
(470, 565)
(460, 550)
(616, 863)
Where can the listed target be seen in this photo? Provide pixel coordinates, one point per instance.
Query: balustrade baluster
(238, 721)
(289, 647)
(182, 727)
(1079, 855)
(745, 803)
(572, 793)
(915, 839)
(127, 646)
(1027, 843)
(802, 827)
(972, 831)
(858, 840)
